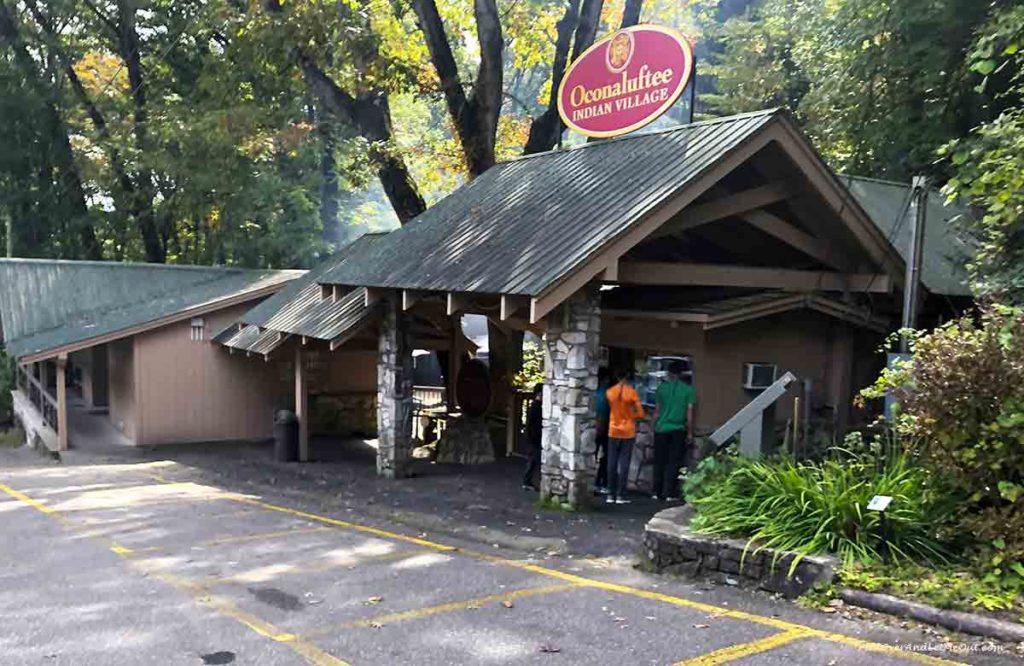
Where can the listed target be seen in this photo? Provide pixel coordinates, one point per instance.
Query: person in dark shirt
(534, 430)
(601, 439)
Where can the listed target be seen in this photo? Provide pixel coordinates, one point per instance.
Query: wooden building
(729, 243)
(128, 346)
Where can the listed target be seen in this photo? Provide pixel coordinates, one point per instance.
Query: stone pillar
(394, 393)
(571, 346)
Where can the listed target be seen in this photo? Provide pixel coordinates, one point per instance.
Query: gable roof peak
(774, 111)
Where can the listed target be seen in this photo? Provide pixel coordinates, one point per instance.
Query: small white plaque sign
(879, 503)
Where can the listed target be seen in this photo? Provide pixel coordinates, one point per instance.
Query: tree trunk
(546, 128)
(328, 182)
(586, 31)
(370, 115)
(576, 30)
(145, 190)
(475, 117)
(631, 13)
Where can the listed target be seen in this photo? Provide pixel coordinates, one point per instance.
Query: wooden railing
(428, 397)
(45, 403)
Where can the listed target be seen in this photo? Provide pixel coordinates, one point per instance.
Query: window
(198, 329)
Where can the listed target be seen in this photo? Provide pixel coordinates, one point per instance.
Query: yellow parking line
(734, 652)
(365, 529)
(417, 613)
(200, 594)
(22, 497)
(616, 587)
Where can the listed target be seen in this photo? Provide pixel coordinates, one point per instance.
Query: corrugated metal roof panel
(524, 224)
(47, 304)
(250, 339)
(943, 263)
(300, 310)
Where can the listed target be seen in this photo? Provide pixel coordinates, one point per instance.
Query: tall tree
(68, 180)
(878, 85)
(988, 164)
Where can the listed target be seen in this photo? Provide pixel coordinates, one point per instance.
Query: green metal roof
(523, 225)
(945, 255)
(51, 304)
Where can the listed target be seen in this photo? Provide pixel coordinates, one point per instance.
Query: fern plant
(809, 508)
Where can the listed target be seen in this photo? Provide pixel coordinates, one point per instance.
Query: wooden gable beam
(547, 301)
(724, 275)
(725, 206)
(791, 235)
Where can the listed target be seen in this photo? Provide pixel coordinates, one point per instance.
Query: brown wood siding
(195, 391)
(121, 378)
(347, 372)
(800, 342)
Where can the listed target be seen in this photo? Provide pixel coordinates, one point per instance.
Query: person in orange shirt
(625, 410)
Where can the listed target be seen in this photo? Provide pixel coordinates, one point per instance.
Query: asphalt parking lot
(133, 564)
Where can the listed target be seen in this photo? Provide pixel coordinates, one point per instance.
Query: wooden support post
(454, 362)
(457, 302)
(62, 403)
(410, 298)
(301, 402)
(373, 296)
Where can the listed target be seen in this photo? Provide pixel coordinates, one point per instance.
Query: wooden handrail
(37, 395)
(42, 390)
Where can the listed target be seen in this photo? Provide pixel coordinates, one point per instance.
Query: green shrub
(946, 587)
(810, 508)
(961, 399)
(708, 474)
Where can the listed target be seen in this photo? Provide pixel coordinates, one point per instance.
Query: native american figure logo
(620, 51)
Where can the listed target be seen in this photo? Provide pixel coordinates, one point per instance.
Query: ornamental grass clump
(817, 508)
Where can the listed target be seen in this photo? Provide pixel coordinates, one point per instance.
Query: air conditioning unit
(757, 376)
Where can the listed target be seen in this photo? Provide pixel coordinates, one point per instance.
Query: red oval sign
(625, 81)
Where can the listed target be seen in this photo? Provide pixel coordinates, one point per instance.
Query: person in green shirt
(673, 430)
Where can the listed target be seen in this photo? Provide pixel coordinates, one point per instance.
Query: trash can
(286, 436)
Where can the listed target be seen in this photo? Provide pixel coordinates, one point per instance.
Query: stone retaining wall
(344, 414)
(670, 547)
